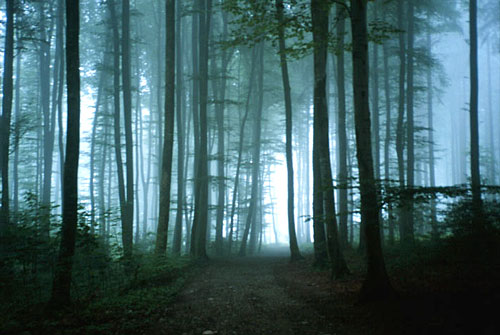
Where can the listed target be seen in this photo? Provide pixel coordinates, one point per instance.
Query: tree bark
(319, 11)
(6, 114)
(376, 284)
(62, 279)
(294, 248)
(474, 123)
(200, 221)
(341, 129)
(128, 223)
(167, 157)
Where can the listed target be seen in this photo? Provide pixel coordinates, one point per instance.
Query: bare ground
(270, 295)
(242, 296)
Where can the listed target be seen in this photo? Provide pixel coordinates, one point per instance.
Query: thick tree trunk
(319, 11)
(376, 284)
(294, 248)
(7, 88)
(200, 221)
(62, 279)
(167, 157)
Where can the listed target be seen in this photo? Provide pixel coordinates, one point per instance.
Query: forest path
(241, 296)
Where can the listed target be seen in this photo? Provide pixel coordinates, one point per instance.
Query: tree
(322, 171)
(376, 284)
(341, 128)
(200, 221)
(6, 115)
(474, 128)
(166, 171)
(128, 220)
(61, 285)
(294, 248)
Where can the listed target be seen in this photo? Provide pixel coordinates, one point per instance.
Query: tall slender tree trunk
(376, 284)
(408, 237)
(430, 136)
(128, 226)
(117, 128)
(387, 140)
(256, 144)
(400, 121)
(61, 285)
(341, 129)
(474, 122)
(240, 149)
(167, 157)
(177, 239)
(294, 248)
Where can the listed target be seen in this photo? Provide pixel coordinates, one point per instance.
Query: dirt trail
(241, 296)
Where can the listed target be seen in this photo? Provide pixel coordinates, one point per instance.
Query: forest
(249, 167)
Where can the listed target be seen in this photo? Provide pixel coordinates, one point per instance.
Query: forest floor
(270, 295)
(450, 289)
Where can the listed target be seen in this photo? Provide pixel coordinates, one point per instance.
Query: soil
(242, 296)
(270, 295)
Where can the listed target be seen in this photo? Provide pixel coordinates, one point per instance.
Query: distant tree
(61, 285)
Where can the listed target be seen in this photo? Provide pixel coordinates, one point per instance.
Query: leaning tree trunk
(168, 144)
(294, 248)
(376, 284)
(62, 278)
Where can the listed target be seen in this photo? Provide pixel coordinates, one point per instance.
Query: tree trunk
(128, 220)
(341, 129)
(256, 143)
(6, 114)
(62, 278)
(166, 175)
(177, 239)
(319, 11)
(376, 284)
(407, 239)
(474, 127)
(200, 220)
(294, 248)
